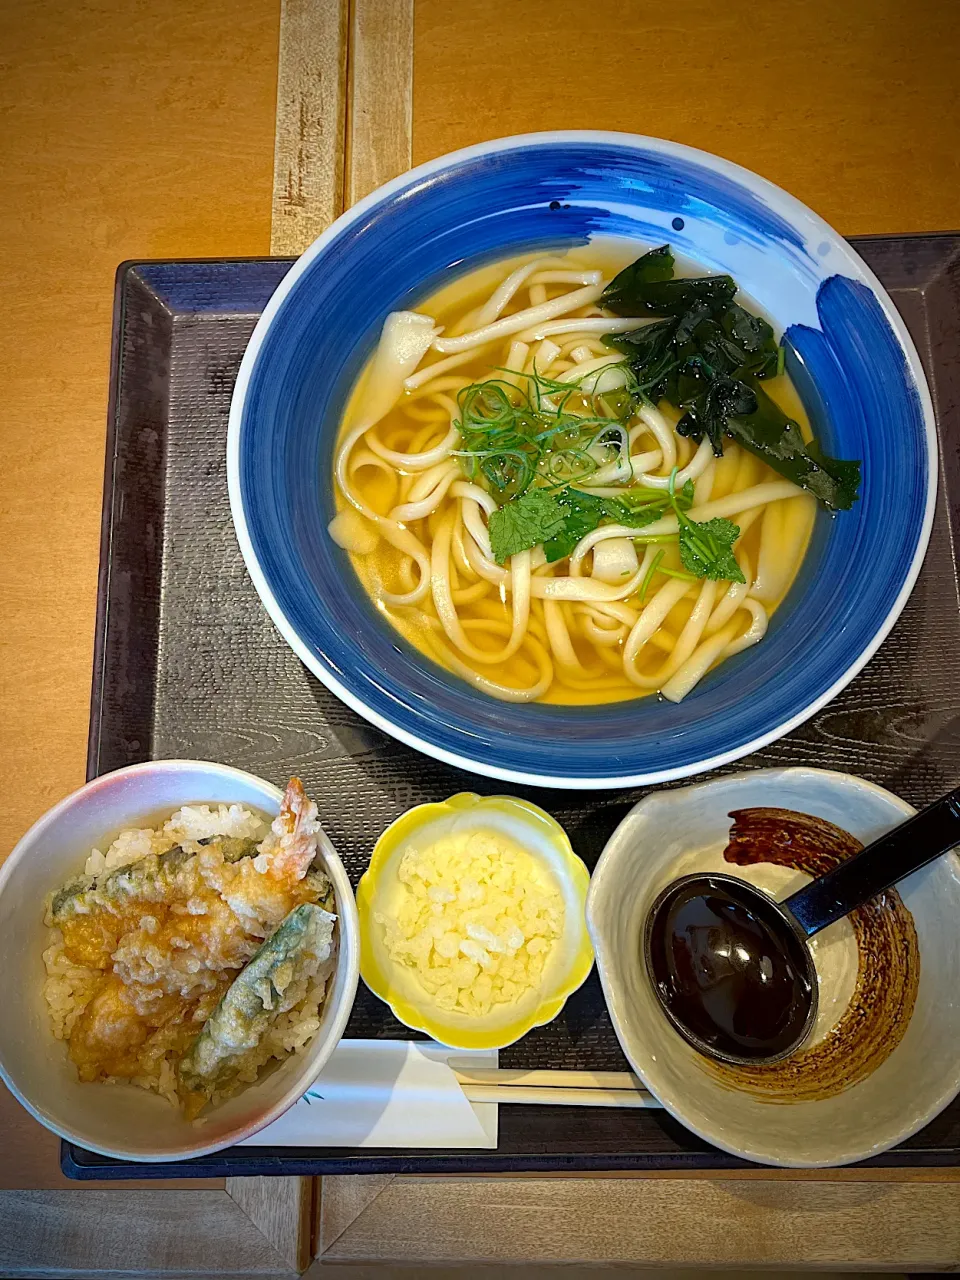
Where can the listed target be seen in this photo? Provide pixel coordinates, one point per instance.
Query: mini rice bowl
(122, 1120)
(69, 986)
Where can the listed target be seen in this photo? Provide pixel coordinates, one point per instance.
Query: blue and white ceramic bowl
(848, 350)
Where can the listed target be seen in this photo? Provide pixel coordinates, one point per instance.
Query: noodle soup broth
(501, 395)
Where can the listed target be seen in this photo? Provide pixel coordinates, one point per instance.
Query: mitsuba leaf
(560, 519)
(706, 549)
(524, 522)
(585, 511)
(777, 439)
(653, 502)
(582, 513)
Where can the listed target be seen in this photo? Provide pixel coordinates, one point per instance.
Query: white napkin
(388, 1093)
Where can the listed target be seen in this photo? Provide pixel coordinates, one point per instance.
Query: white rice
(129, 846)
(192, 822)
(199, 822)
(69, 987)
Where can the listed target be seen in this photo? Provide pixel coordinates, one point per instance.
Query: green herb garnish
(634, 508)
(648, 576)
(560, 518)
(582, 513)
(707, 356)
(706, 546)
(511, 437)
(640, 501)
(680, 573)
(525, 522)
(706, 549)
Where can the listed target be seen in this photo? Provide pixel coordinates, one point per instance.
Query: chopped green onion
(511, 437)
(648, 576)
(680, 573)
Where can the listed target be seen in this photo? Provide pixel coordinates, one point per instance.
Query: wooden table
(134, 130)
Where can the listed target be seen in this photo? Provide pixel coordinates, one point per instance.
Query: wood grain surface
(308, 170)
(282, 1210)
(379, 113)
(123, 1233)
(657, 1223)
(135, 131)
(852, 107)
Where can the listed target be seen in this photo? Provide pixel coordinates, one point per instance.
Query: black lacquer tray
(188, 664)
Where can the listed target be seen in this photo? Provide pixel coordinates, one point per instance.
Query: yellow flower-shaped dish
(570, 958)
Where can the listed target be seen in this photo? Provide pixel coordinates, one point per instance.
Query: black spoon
(731, 966)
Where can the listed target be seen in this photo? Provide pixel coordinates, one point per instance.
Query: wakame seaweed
(769, 433)
(707, 355)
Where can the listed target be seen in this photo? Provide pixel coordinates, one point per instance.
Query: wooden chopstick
(546, 1079)
(554, 1088)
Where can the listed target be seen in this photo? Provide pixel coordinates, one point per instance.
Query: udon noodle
(618, 616)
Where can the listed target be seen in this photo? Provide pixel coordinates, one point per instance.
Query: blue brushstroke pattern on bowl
(853, 362)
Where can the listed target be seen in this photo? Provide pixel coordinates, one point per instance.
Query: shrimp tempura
(291, 846)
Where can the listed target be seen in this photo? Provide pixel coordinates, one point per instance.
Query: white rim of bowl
(794, 208)
(188, 1151)
(667, 1098)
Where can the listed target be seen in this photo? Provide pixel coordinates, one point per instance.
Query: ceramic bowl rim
(666, 1097)
(348, 956)
(737, 173)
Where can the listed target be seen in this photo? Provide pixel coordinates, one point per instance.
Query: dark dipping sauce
(730, 970)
